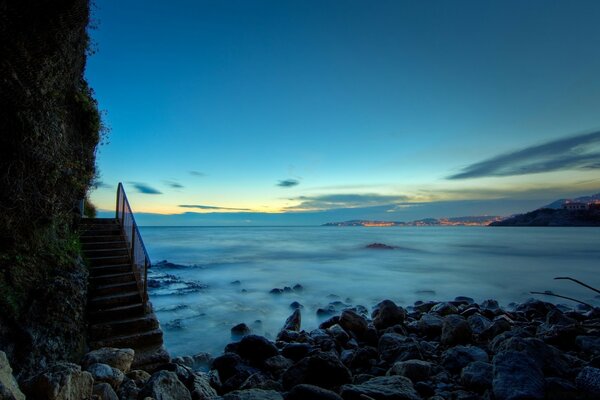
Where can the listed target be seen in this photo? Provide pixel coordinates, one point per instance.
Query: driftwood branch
(562, 297)
(578, 282)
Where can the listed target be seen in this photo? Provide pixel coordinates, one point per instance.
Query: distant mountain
(454, 221)
(558, 213)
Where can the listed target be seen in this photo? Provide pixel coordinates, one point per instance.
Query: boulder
(548, 358)
(381, 388)
(116, 358)
(226, 365)
(138, 377)
(339, 334)
(200, 388)
(456, 330)
(354, 323)
(296, 351)
(415, 370)
(386, 314)
(164, 385)
(394, 347)
(588, 380)
(478, 323)
(477, 376)
(128, 390)
(61, 381)
(456, 358)
(321, 369)
(256, 349)
(104, 392)
(444, 309)
(104, 373)
(8, 381)
(293, 322)
(253, 394)
(311, 392)
(588, 344)
(430, 325)
(240, 330)
(277, 365)
(517, 376)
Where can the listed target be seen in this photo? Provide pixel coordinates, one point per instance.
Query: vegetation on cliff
(50, 128)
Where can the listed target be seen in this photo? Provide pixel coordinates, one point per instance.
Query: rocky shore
(432, 350)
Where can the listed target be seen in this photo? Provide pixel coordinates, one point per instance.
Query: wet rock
(321, 339)
(106, 374)
(495, 328)
(277, 365)
(276, 291)
(294, 305)
(61, 381)
(387, 314)
(104, 392)
(456, 358)
(477, 376)
(8, 383)
(444, 309)
(339, 334)
(128, 390)
(490, 305)
(381, 388)
(415, 370)
(293, 322)
(517, 376)
(226, 365)
(353, 323)
(362, 358)
(164, 385)
(322, 369)
(298, 287)
(236, 283)
(588, 344)
(430, 325)
(548, 358)
(534, 308)
(200, 387)
(296, 351)
(259, 380)
(240, 330)
(120, 359)
(311, 392)
(253, 394)
(455, 330)
(478, 323)
(393, 347)
(588, 380)
(380, 246)
(464, 299)
(256, 348)
(138, 377)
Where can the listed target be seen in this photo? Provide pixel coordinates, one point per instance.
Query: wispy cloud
(287, 183)
(197, 173)
(102, 185)
(203, 207)
(144, 188)
(174, 185)
(334, 201)
(575, 152)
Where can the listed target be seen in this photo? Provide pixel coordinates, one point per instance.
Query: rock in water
(8, 381)
(256, 348)
(164, 385)
(62, 381)
(293, 322)
(116, 358)
(517, 376)
(381, 388)
(387, 314)
(240, 330)
(380, 246)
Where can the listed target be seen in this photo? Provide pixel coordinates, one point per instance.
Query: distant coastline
(454, 221)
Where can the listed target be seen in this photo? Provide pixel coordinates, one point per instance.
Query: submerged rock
(240, 330)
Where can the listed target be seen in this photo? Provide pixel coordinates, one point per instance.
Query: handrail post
(145, 296)
(117, 206)
(132, 240)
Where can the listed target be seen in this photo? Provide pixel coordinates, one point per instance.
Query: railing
(139, 256)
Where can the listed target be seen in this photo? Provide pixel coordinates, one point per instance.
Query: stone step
(105, 261)
(136, 340)
(110, 269)
(115, 244)
(116, 313)
(100, 238)
(114, 300)
(95, 221)
(111, 252)
(113, 288)
(121, 327)
(98, 231)
(107, 279)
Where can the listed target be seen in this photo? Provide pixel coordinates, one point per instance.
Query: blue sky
(310, 110)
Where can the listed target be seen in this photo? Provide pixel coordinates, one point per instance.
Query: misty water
(221, 276)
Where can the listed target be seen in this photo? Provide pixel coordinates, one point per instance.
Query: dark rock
(256, 348)
(547, 358)
(311, 392)
(116, 358)
(464, 299)
(103, 373)
(277, 365)
(287, 289)
(456, 358)
(128, 390)
(259, 380)
(430, 325)
(363, 358)
(354, 323)
(276, 291)
(164, 385)
(138, 377)
(559, 388)
(455, 330)
(298, 287)
(478, 323)
(380, 246)
(415, 370)
(386, 314)
(495, 328)
(240, 330)
(588, 380)
(226, 365)
(393, 347)
(200, 387)
(477, 376)
(296, 351)
(294, 305)
(330, 322)
(60, 381)
(588, 344)
(535, 308)
(517, 376)
(235, 282)
(490, 305)
(293, 322)
(322, 369)
(339, 334)
(424, 307)
(381, 388)
(321, 338)
(104, 392)
(444, 309)
(253, 394)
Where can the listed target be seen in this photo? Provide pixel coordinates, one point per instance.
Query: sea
(205, 280)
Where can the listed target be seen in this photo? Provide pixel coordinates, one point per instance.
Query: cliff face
(49, 130)
(552, 217)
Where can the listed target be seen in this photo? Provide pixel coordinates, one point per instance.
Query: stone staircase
(116, 313)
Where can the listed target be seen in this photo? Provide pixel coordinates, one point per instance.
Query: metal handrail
(137, 250)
